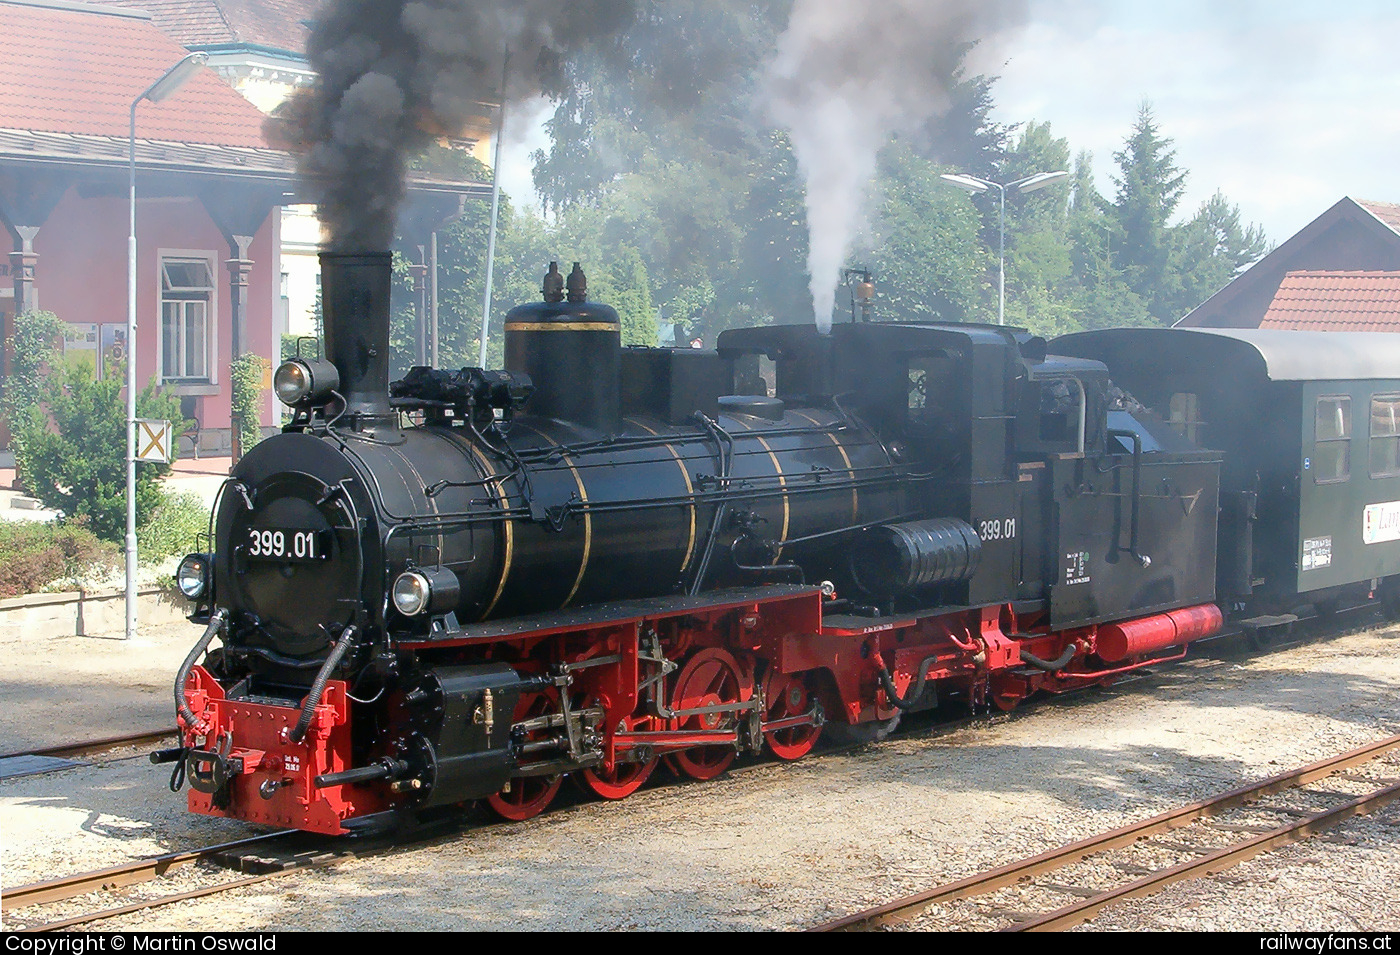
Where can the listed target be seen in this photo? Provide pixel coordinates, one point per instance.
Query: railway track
(1196, 840)
(68, 750)
(32, 907)
(157, 881)
(88, 897)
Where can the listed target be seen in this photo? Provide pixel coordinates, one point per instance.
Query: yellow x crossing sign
(153, 440)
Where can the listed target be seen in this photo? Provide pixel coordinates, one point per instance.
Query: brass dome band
(560, 327)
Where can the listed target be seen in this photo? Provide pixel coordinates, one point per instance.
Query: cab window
(1185, 416)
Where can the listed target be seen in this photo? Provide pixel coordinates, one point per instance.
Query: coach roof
(1284, 355)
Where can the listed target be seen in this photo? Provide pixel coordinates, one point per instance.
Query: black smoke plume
(393, 75)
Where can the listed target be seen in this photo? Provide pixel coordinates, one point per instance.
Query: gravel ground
(783, 846)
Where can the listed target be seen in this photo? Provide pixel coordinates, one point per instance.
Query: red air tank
(1131, 638)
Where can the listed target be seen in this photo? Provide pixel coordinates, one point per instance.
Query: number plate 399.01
(287, 544)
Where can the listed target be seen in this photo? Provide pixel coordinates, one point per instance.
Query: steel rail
(131, 873)
(904, 909)
(1209, 864)
(97, 745)
(153, 903)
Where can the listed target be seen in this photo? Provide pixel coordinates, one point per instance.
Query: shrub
(35, 341)
(35, 555)
(246, 378)
(174, 527)
(74, 458)
(309, 346)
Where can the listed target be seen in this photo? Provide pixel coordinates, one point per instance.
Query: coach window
(1332, 452)
(186, 301)
(1385, 436)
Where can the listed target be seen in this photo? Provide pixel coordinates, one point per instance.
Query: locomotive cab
(1310, 482)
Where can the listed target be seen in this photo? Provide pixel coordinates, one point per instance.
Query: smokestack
(355, 311)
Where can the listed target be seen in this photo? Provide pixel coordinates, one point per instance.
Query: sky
(1284, 106)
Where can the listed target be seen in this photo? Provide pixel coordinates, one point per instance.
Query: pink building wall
(81, 276)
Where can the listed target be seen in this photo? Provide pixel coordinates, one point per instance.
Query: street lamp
(1028, 184)
(495, 207)
(169, 82)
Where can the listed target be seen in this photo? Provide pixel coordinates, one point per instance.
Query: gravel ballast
(785, 846)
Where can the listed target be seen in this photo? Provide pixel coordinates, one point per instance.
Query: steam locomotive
(474, 583)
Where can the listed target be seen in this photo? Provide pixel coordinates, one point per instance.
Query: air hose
(892, 694)
(1050, 666)
(313, 698)
(181, 706)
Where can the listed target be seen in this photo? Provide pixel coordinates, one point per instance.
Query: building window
(186, 304)
(1385, 436)
(1332, 457)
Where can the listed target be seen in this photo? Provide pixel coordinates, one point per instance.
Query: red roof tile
(73, 70)
(270, 24)
(1387, 212)
(1337, 302)
(187, 22)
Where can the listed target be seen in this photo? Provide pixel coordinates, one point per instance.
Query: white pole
(1001, 257)
(495, 208)
(169, 81)
(1029, 184)
(433, 299)
(131, 387)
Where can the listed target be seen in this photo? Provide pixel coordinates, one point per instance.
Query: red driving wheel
(711, 677)
(786, 695)
(527, 796)
(624, 778)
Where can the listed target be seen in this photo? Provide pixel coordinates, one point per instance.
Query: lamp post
(168, 83)
(495, 208)
(1028, 184)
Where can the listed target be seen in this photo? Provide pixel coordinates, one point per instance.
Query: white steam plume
(845, 78)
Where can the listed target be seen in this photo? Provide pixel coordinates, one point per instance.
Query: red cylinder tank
(1129, 638)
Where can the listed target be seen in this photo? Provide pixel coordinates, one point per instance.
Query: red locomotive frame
(692, 684)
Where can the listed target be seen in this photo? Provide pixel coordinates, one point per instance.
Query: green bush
(33, 556)
(174, 527)
(35, 342)
(246, 377)
(309, 346)
(73, 449)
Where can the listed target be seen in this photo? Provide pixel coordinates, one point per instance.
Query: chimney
(355, 310)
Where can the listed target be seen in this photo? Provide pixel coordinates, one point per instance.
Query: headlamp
(301, 379)
(192, 576)
(420, 591)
